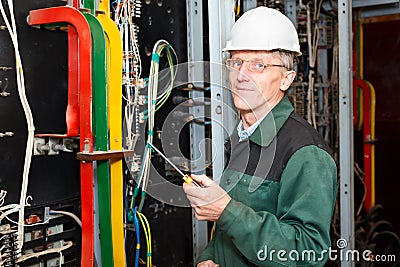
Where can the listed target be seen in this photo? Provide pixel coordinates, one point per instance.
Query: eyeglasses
(253, 65)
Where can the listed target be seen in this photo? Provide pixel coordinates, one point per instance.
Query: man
(274, 203)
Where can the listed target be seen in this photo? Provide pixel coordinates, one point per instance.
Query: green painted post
(100, 130)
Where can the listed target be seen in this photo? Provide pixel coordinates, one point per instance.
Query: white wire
(132, 68)
(28, 115)
(61, 258)
(44, 252)
(28, 225)
(312, 39)
(4, 214)
(17, 208)
(73, 216)
(3, 194)
(9, 206)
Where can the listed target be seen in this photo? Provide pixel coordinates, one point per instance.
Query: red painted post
(74, 18)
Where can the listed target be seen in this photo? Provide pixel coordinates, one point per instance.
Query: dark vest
(270, 161)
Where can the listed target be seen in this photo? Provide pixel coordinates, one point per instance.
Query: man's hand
(209, 201)
(208, 263)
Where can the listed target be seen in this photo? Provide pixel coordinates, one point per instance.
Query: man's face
(257, 92)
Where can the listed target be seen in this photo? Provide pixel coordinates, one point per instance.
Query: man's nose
(243, 73)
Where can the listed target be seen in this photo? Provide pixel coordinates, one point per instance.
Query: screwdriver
(185, 177)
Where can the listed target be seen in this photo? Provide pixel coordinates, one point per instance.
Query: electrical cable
(141, 261)
(9, 206)
(4, 214)
(28, 115)
(152, 107)
(360, 175)
(359, 72)
(154, 70)
(212, 232)
(3, 194)
(123, 17)
(372, 140)
(236, 7)
(44, 252)
(136, 224)
(126, 218)
(155, 100)
(124, 12)
(147, 232)
(28, 225)
(70, 214)
(312, 39)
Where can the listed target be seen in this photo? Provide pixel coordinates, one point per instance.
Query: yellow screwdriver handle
(190, 181)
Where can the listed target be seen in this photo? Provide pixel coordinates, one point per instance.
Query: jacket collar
(272, 123)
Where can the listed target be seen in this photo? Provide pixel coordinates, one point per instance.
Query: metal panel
(221, 17)
(346, 130)
(290, 10)
(364, 3)
(249, 4)
(380, 11)
(373, 8)
(197, 131)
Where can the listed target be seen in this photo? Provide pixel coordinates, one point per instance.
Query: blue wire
(307, 69)
(136, 222)
(126, 221)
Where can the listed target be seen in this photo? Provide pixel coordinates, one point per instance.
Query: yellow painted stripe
(114, 61)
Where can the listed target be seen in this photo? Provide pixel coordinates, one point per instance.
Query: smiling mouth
(241, 89)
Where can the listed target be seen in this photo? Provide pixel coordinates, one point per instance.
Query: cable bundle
(155, 101)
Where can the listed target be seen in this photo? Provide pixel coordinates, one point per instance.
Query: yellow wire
(147, 233)
(373, 102)
(168, 93)
(360, 71)
(360, 108)
(212, 232)
(238, 8)
(147, 237)
(361, 48)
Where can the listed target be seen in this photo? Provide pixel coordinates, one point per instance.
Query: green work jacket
(283, 222)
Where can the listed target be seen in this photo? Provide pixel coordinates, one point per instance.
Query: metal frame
(222, 116)
(346, 149)
(197, 132)
(221, 17)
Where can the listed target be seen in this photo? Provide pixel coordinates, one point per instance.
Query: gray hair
(287, 58)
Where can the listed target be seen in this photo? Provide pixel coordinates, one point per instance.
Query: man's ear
(287, 79)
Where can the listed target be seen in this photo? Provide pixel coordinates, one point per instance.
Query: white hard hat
(263, 28)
